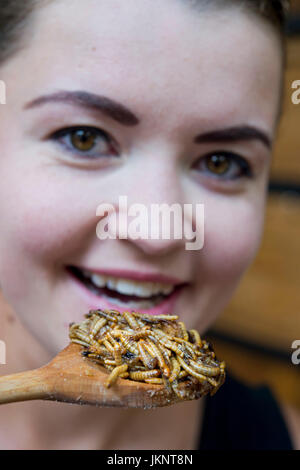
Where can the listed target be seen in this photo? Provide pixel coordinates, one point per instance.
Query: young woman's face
(180, 74)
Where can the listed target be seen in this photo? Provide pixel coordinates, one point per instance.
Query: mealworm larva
(112, 378)
(142, 375)
(155, 318)
(210, 371)
(161, 361)
(145, 357)
(168, 344)
(128, 344)
(183, 330)
(175, 369)
(124, 375)
(130, 320)
(97, 349)
(191, 371)
(106, 314)
(83, 337)
(117, 354)
(142, 333)
(110, 338)
(111, 362)
(212, 381)
(166, 354)
(97, 326)
(182, 374)
(78, 341)
(109, 346)
(195, 335)
(179, 392)
(155, 380)
(189, 349)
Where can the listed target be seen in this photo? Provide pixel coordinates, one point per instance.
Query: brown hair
(15, 15)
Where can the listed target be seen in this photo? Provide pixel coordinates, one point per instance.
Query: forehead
(164, 55)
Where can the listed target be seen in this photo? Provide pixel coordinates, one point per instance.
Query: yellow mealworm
(175, 369)
(110, 338)
(83, 337)
(212, 381)
(155, 380)
(210, 371)
(183, 330)
(179, 392)
(106, 314)
(124, 375)
(111, 362)
(156, 318)
(142, 375)
(191, 371)
(161, 361)
(115, 374)
(117, 354)
(142, 333)
(166, 354)
(97, 349)
(129, 345)
(169, 344)
(182, 374)
(196, 336)
(109, 346)
(145, 357)
(79, 341)
(97, 327)
(130, 320)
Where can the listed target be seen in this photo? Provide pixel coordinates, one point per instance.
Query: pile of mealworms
(151, 349)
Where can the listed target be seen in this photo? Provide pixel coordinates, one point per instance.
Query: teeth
(128, 287)
(99, 281)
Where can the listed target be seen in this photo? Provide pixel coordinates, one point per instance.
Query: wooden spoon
(69, 377)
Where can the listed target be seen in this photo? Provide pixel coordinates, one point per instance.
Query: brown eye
(87, 142)
(223, 165)
(83, 140)
(218, 164)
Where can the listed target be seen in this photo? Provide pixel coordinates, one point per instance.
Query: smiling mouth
(125, 292)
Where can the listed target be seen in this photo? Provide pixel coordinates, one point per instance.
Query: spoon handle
(29, 385)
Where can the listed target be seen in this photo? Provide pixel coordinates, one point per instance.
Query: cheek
(232, 238)
(43, 223)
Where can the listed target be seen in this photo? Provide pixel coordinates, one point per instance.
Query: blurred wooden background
(255, 333)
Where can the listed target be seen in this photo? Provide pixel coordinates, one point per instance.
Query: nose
(153, 210)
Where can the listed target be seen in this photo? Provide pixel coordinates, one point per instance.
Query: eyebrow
(235, 134)
(123, 115)
(102, 104)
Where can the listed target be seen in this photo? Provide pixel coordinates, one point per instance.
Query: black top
(243, 418)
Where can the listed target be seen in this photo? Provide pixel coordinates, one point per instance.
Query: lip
(94, 301)
(136, 275)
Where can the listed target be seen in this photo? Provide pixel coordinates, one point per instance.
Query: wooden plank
(286, 160)
(266, 307)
